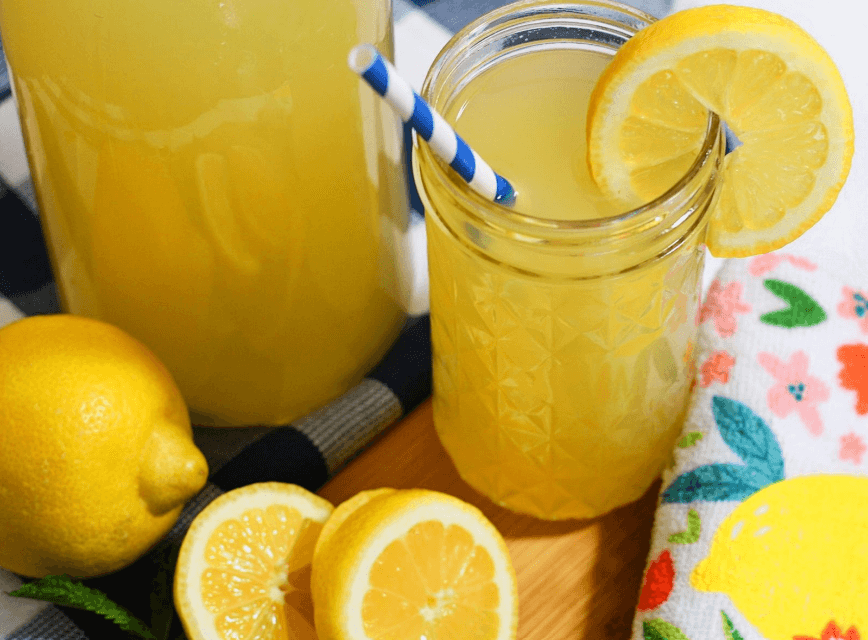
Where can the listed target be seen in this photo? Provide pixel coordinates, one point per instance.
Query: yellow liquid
(215, 181)
(556, 397)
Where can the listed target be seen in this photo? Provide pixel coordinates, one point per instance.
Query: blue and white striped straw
(444, 142)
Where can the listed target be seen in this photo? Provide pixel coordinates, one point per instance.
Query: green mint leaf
(65, 591)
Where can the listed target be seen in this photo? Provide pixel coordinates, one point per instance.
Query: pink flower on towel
(721, 305)
(761, 265)
(855, 305)
(852, 448)
(795, 389)
(716, 368)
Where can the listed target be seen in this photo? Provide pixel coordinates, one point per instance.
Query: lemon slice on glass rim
(775, 87)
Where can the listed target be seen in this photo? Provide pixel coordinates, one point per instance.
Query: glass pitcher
(215, 181)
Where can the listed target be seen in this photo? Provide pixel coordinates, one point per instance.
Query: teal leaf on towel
(750, 439)
(801, 310)
(714, 483)
(658, 629)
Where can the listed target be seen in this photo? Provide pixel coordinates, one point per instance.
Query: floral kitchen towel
(762, 526)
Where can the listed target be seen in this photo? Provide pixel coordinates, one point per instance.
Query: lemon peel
(96, 449)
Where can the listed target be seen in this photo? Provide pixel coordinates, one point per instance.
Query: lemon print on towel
(793, 556)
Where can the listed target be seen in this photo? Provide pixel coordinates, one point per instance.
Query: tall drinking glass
(212, 179)
(562, 329)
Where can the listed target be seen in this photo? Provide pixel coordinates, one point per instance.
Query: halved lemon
(771, 82)
(244, 566)
(410, 564)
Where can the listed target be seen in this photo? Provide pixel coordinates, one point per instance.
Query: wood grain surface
(577, 579)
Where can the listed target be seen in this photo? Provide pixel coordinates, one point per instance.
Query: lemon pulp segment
(257, 580)
(434, 582)
(244, 568)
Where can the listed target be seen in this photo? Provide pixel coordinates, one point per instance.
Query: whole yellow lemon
(793, 556)
(96, 451)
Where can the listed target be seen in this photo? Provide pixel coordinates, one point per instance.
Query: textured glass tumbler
(562, 348)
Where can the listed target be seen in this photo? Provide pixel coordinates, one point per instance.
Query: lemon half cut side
(413, 564)
(770, 81)
(244, 566)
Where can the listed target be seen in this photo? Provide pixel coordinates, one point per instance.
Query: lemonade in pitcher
(562, 329)
(214, 181)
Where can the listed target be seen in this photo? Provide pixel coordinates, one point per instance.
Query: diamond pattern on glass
(560, 398)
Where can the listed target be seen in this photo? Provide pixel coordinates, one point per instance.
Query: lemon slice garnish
(771, 82)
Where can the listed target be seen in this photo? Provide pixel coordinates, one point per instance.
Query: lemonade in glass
(562, 328)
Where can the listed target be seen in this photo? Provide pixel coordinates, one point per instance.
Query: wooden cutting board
(577, 579)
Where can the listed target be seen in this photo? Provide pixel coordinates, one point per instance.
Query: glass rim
(524, 11)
